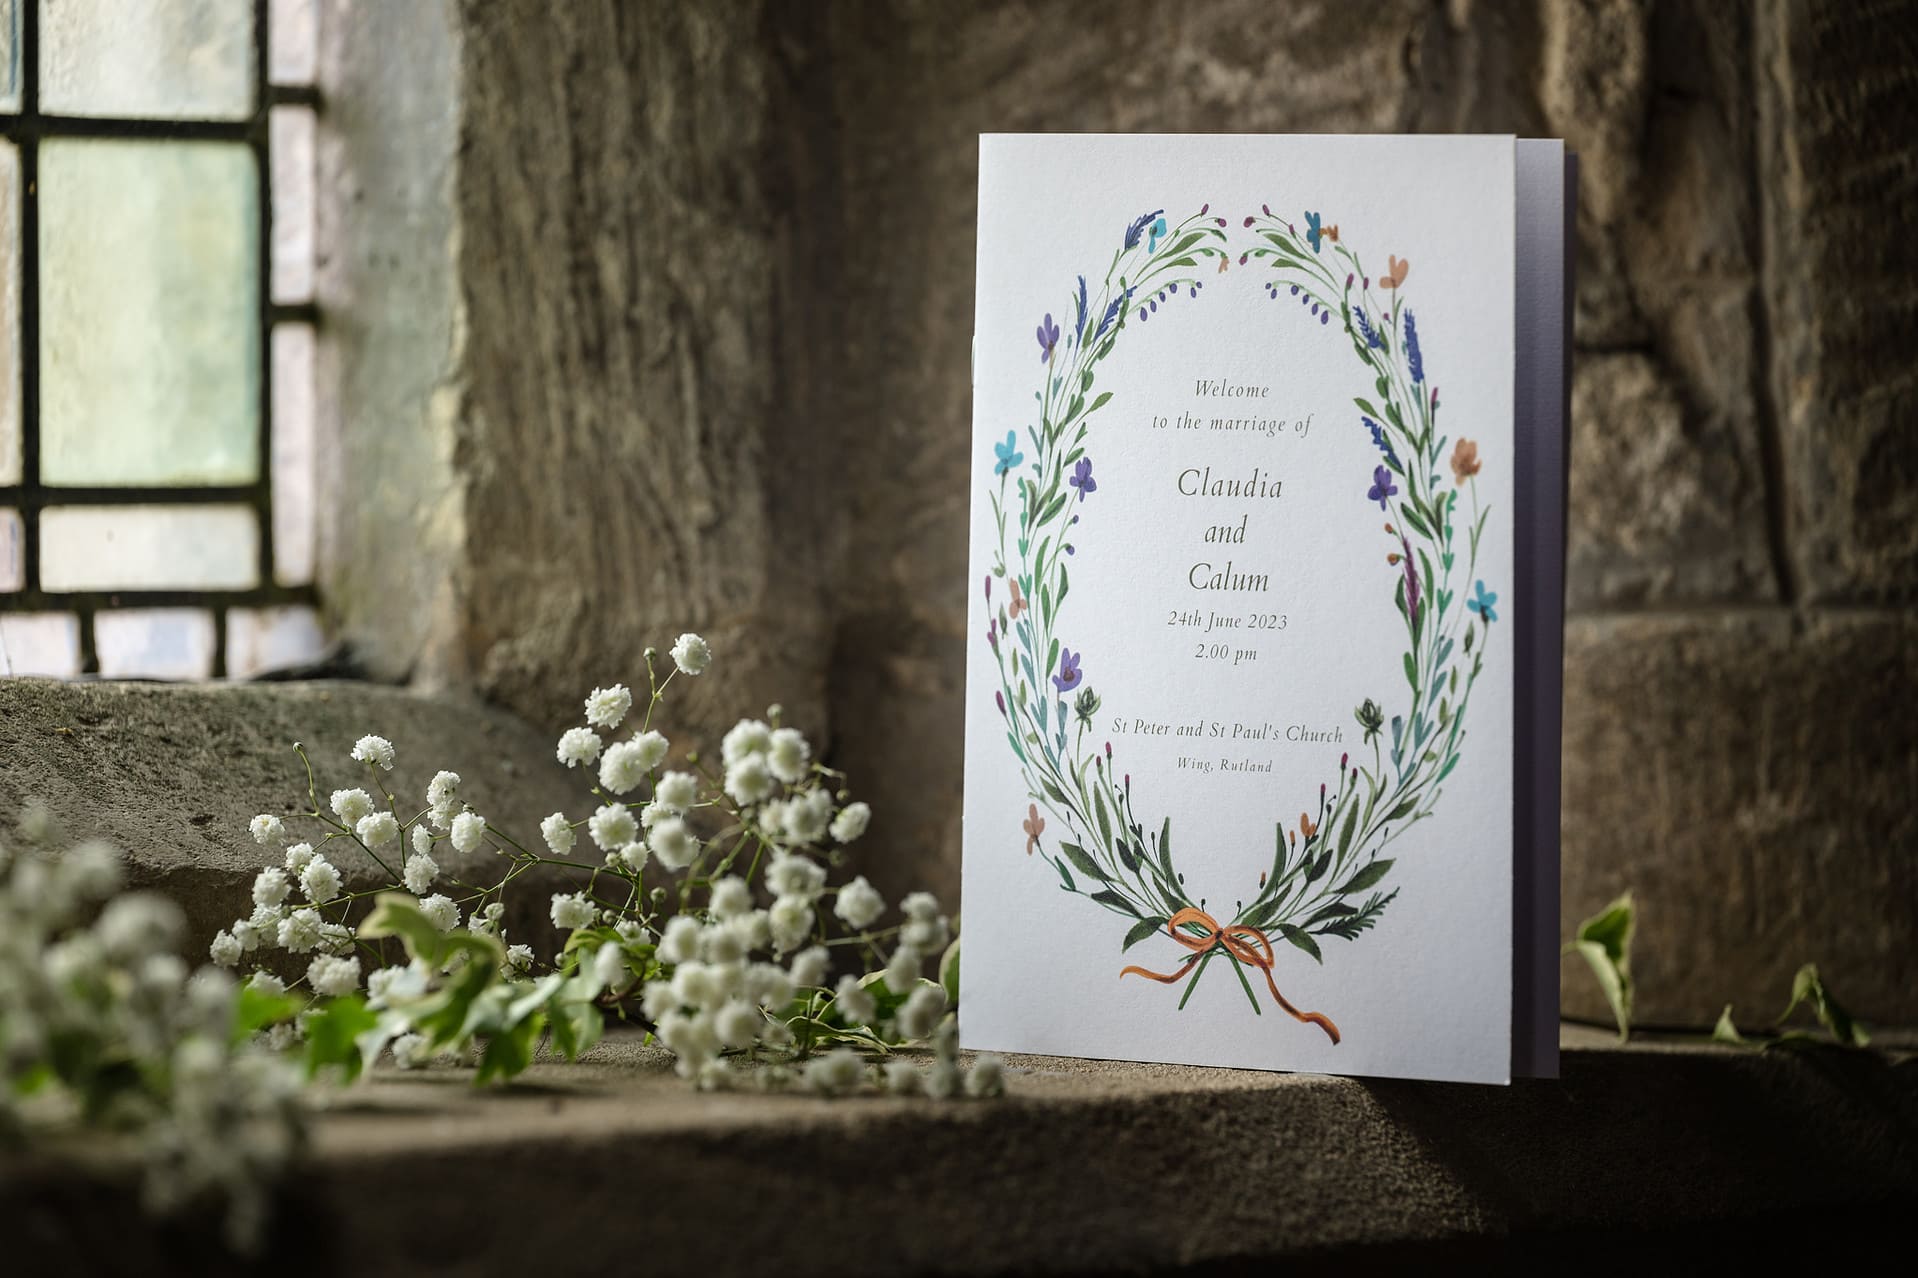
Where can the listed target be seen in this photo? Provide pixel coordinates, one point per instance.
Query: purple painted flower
(1382, 486)
(1048, 339)
(1082, 478)
(1380, 442)
(1068, 677)
(1079, 327)
(1133, 232)
(1411, 583)
(1000, 697)
(1413, 359)
(1372, 337)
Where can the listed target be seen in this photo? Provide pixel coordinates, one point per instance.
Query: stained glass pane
(294, 487)
(291, 139)
(13, 552)
(154, 643)
(293, 42)
(260, 639)
(166, 59)
(149, 312)
(40, 643)
(10, 55)
(209, 547)
(10, 461)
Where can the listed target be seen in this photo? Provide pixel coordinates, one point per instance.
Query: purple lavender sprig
(1413, 359)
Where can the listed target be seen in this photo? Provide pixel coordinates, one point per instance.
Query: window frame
(26, 129)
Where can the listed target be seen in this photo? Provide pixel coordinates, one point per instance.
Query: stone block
(171, 774)
(1749, 776)
(1840, 110)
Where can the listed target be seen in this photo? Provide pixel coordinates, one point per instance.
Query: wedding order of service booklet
(1265, 636)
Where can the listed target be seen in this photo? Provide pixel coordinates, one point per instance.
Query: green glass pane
(150, 360)
(10, 55)
(10, 461)
(165, 59)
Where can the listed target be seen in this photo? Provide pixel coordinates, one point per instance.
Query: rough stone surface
(630, 462)
(1750, 777)
(172, 774)
(1840, 177)
(1086, 1167)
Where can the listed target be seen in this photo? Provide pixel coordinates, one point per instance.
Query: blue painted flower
(1413, 359)
(1079, 326)
(1379, 441)
(1483, 603)
(1158, 233)
(1112, 313)
(1068, 677)
(1373, 338)
(1133, 232)
(1008, 453)
(1048, 338)
(1382, 486)
(1082, 478)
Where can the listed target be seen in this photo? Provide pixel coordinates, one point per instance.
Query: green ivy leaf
(1806, 986)
(949, 972)
(1726, 1032)
(331, 1033)
(1605, 942)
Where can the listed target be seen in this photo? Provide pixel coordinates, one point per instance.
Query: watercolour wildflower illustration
(1329, 870)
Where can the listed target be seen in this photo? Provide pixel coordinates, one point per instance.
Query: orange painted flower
(1034, 826)
(1464, 460)
(1306, 827)
(1018, 600)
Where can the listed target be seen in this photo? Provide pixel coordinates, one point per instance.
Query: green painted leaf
(1106, 896)
(1140, 931)
(1083, 862)
(1345, 832)
(1301, 940)
(1099, 810)
(1411, 672)
(1366, 877)
(1404, 809)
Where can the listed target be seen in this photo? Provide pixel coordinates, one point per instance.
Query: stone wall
(714, 283)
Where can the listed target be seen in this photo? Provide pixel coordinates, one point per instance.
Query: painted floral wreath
(1326, 872)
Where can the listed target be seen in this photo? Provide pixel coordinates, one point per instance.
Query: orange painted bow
(1245, 944)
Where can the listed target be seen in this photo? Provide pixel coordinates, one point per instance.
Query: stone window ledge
(1086, 1166)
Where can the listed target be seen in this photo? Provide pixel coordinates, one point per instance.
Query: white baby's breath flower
(378, 830)
(694, 984)
(441, 790)
(578, 746)
(607, 706)
(722, 945)
(320, 881)
(422, 838)
(730, 897)
(691, 654)
(377, 751)
(809, 966)
(737, 1022)
(441, 911)
(791, 918)
(903, 971)
(613, 827)
(755, 927)
(421, 870)
(270, 886)
(851, 822)
(333, 976)
(920, 906)
(928, 936)
(922, 1010)
(350, 805)
(571, 911)
(988, 1076)
(267, 829)
(519, 958)
(676, 791)
(297, 856)
(859, 904)
(747, 737)
(247, 935)
(657, 999)
(806, 816)
(410, 1051)
(787, 754)
(299, 932)
(750, 781)
(903, 1078)
(835, 1073)
(226, 949)
(266, 983)
(622, 767)
(768, 985)
(790, 874)
(674, 843)
(679, 943)
(942, 1080)
(633, 856)
(652, 749)
(267, 919)
(469, 831)
(855, 1002)
(558, 833)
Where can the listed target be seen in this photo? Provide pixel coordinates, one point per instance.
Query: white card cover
(1262, 695)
